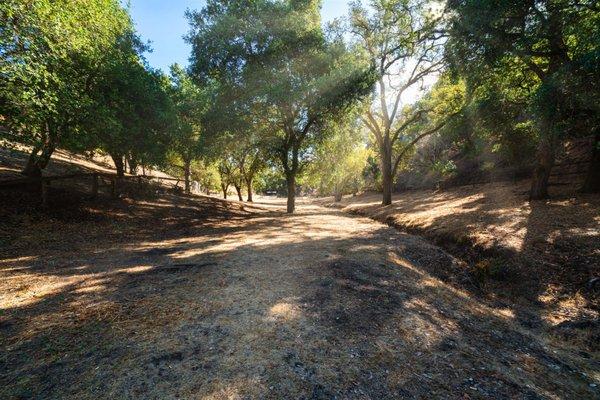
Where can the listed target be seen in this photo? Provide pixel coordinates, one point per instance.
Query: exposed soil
(13, 158)
(544, 254)
(174, 297)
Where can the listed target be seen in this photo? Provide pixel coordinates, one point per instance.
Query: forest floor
(541, 253)
(194, 297)
(157, 296)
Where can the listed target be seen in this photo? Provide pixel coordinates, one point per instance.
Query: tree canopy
(549, 48)
(397, 93)
(278, 70)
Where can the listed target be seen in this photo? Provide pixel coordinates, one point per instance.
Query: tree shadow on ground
(538, 257)
(180, 301)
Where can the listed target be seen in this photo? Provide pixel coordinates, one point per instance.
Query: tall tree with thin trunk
(228, 176)
(403, 41)
(191, 102)
(250, 160)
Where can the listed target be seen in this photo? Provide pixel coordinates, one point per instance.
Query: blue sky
(162, 22)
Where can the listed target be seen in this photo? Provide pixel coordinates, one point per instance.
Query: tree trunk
(238, 189)
(541, 172)
(32, 169)
(224, 189)
(249, 188)
(119, 165)
(132, 166)
(592, 179)
(290, 173)
(46, 155)
(37, 162)
(186, 175)
(291, 192)
(337, 196)
(386, 173)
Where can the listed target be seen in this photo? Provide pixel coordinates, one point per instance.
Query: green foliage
(271, 179)
(488, 135)
(73, 76)
(530, 65)
(371, 174)
(49, 55)
(206, 174)
(340, 160)
(191, 102)
(131, 114)
(277, 71)
(547, 37)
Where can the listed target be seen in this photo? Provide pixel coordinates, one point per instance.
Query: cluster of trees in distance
(399, 91)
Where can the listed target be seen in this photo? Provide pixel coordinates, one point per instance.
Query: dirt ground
(546, 253)
(197, 298)
(14, 156)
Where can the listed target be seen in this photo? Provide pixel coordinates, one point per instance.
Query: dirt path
(317, 305)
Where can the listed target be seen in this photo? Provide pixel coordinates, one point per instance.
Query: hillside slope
(12, 161)
(71, 192)
(547, 252)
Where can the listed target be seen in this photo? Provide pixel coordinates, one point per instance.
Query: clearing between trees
(195, 297)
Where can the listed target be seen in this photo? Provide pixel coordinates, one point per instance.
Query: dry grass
(197, 298)
(193, 297)
(492, 215)
(542, 254)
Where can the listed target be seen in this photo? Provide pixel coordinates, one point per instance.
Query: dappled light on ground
(284, 310)
(540, 252)
(207, 300)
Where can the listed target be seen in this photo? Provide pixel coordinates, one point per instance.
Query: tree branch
(413, 142)
(416, 117)
(373, 127)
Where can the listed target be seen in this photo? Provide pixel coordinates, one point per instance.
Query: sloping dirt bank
(201, 299)
(544, 254)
